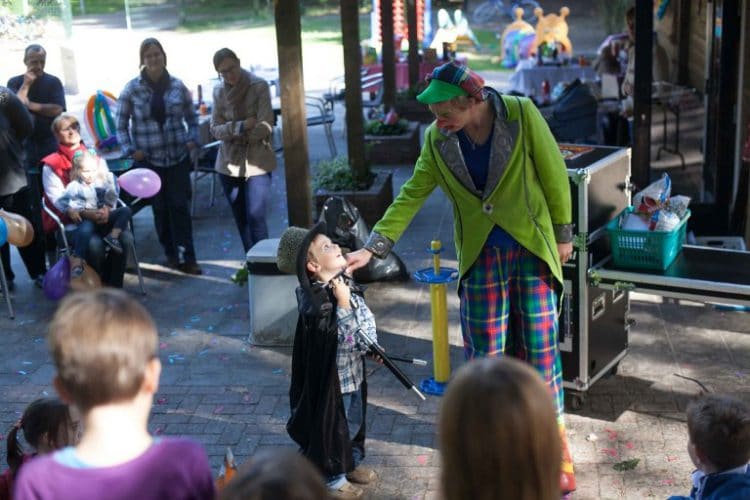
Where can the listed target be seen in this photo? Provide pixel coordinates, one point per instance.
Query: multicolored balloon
(101, 125)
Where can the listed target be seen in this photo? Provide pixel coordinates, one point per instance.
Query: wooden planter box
(371, 203)
(394, 149)
(414, 110)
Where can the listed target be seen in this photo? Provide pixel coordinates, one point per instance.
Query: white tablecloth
(529, 80)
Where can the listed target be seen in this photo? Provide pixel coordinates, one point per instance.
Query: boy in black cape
(328, 393)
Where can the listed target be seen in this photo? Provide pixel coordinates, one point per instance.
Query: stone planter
(414, 110)
(394, 149)
(371, 203)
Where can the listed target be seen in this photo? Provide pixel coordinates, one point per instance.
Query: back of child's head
(101, 342)
(719, 426)
(276, 475)
(498, 434)
(46, 424)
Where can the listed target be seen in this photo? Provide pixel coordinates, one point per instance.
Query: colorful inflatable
(516, 40)
(99, 119)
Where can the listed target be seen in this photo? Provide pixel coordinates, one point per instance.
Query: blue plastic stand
(427, 275)
(429, 386)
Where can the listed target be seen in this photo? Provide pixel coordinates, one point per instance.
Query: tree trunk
(411, 21)
(294, 132)
(355, 129)
(388, 53)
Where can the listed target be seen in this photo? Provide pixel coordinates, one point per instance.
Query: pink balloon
(140, 182)
(57, 280)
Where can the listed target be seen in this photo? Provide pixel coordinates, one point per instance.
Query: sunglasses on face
(73, 127)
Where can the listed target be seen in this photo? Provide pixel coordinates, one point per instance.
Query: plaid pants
(508, 306)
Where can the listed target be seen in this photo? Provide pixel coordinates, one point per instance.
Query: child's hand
(341, 291)
(74, 215)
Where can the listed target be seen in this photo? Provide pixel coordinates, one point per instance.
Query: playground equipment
(438, 278)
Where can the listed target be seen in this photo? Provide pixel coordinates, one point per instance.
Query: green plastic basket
(654, 250)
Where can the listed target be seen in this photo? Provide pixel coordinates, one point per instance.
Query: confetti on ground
(38, 340)
(422, 459)
(611, 435)
(626, 464)
(21, 372)
(195, 319)
(163, 345)
(667, 482)
(218, 410)
(591, 437)
(203, 352)
(671, 458)
(158, 431)
(610, 451)
(277, 371)
(629, 445)
(26, 362)
(161, 401)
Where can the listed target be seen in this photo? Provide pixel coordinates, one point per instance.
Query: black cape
(318, 419)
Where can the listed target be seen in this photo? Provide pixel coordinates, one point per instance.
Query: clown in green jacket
(497, 162)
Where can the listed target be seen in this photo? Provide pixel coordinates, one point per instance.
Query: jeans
(109, 265)
(171, 207)
(249, 202)
(355, 419)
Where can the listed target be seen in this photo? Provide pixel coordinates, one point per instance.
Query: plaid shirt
(349, 356)
(136, 129)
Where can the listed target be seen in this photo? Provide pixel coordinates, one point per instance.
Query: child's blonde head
(498, 417)
(101, 342)
(86, 164)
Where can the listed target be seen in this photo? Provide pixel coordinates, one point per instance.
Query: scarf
(158, 108)
(61, 160)
(236, 95)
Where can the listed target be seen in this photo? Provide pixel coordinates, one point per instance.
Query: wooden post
(388, 54)
(641, 159)
(411, 21)
(294, 118)
(355, 127)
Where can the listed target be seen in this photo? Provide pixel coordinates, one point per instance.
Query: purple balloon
(140, 182)
(57, 280)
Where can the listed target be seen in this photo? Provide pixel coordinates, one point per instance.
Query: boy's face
(326, 256)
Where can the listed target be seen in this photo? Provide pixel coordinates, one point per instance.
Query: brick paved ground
(221, 391)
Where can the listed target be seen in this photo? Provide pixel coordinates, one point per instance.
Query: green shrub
(377, 127)
(337, 175)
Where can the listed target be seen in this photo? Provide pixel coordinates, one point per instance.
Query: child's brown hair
(719, 426)
(276, 475)
(44, 419)
(101, 342)
(498, 434)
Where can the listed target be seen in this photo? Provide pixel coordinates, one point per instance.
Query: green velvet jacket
(527, 191)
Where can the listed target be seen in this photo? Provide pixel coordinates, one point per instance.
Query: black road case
(593, 320)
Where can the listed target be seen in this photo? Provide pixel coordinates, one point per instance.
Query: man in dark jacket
(15, 126)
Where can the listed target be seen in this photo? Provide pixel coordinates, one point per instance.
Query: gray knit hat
(289, 244)
(291, 256)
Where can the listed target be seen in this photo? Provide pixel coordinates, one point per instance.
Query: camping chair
(63, 247)
(320, 112)
(203, 165)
